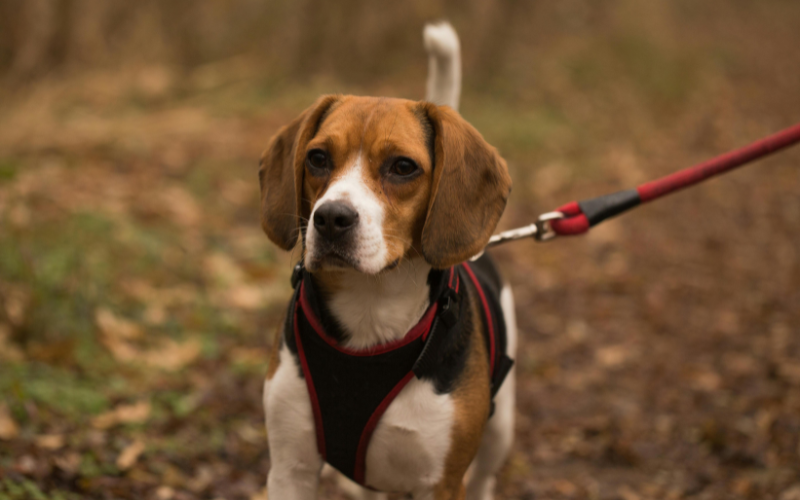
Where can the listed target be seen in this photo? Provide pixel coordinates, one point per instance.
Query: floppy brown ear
(470, 188)
(280, 174)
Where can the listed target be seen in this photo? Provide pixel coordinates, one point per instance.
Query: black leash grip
(604, 207)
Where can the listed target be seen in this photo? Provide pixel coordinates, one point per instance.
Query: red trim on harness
(489, 321)
(366, 435)
(312, 391)
(421, 328)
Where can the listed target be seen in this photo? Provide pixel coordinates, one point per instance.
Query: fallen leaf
(706, 380)
(69, 463)
(8, 351)
(173, 355)
(155, 314)
(626, 493)
(565, 488)
(181, 206)
(790, 372)
(613, 356)
(50, 441)
(165, 493)
(201, 480)
(123, 414)
(248, 297)
(793, 493)
(223, 270)
(16, 302)
(130, 455)
(114, 326)
(8, 428)
(120, 349)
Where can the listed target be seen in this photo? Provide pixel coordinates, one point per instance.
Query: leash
(577, 217)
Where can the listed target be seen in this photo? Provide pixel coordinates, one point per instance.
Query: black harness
(351, 389)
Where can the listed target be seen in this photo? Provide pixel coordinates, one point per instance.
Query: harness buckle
(449, 308)
(544, 228)
(297, 274)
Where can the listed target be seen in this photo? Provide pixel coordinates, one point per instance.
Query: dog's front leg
(296, 463)
(298, 482)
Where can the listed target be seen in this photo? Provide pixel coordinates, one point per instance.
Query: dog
(394, 362)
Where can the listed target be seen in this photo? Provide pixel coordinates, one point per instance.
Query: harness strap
(350, 390)
(449, 313)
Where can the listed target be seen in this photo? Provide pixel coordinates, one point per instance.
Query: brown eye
(404, 167)
(317, 161)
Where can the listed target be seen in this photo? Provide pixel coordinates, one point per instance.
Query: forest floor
(659, 355)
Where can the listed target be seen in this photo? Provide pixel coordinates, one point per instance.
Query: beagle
(394, 363)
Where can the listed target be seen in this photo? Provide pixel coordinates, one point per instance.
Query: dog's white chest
(410, 444)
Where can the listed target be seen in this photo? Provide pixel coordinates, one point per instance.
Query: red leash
(577, 217)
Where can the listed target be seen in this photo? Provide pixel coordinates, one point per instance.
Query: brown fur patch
(471, 400)
(470, 188)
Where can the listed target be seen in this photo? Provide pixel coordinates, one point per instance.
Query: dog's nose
(334, 219)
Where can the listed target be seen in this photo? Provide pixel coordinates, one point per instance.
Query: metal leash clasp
(541, 230)
(544, 228)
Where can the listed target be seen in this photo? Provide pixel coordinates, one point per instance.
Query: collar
(443, 305)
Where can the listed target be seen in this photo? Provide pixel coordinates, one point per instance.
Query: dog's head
(369, 181)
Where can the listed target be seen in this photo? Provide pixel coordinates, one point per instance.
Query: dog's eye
(317, 160)
(403, 167)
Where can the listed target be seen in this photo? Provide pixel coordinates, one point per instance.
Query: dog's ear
(280, 174)
(469, 192)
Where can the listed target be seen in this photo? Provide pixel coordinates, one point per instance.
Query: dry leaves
(8, 351)
(614, 356)
(113, 326)
(172, 355)
(223, 270)
(116, 336)
(50, 441)
(136, 413)
(130, 455)
(16, 302)
(8, 428)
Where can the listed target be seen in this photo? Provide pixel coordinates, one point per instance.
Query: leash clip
(544, 228)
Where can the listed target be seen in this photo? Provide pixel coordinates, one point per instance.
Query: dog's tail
(444, 64)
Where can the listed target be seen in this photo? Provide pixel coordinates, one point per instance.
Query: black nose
(334, 218)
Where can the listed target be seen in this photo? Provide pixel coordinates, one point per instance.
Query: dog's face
(369, 181)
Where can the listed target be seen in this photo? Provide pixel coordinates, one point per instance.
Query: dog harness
(351, 389)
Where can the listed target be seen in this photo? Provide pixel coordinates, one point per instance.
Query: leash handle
(579, 216)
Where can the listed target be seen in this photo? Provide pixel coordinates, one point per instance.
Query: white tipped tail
(444, 64)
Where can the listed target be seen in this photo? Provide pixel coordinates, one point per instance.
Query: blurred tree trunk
(33, 34)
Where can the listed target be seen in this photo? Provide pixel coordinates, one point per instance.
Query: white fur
(370, 249)
(296, 463)
(408, 449)
(444, 64)
(378, 309)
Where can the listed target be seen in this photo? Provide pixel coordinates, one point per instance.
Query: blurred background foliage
(659, 355)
